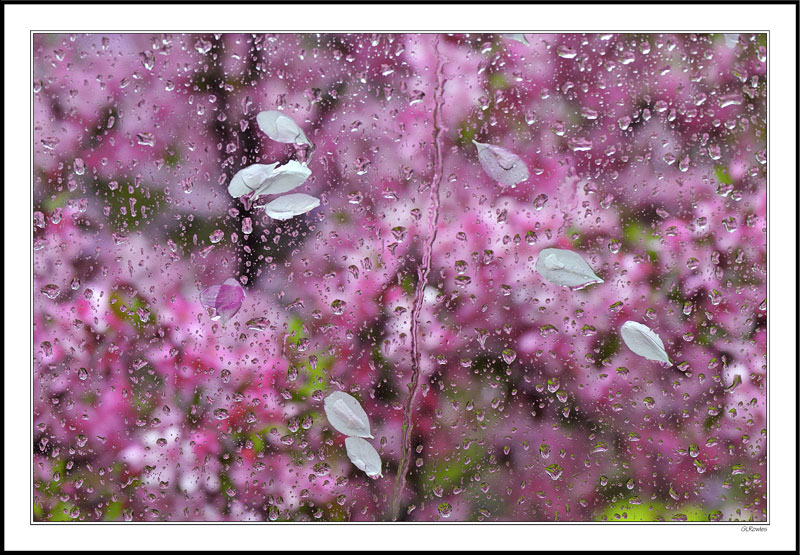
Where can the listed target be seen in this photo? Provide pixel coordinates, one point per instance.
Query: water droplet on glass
(203, 46)
(554, 471)
(216, 236)
(730, 224)
(509, 355)
(580, 144)
(51, 291)
(145, 139)
(540, 201)
(361, 165)
(221, 414)
(547, 330)
(50, 143)
(733, 99)
(338, 307)
(258, 324)
(566, 52)
(399, 233)
(148, 59)
(78, 166)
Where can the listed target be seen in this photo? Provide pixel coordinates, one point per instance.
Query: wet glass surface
(536, 265)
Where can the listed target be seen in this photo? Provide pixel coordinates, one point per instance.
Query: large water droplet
(51, 291)
(78, 166)
(338, 307)
(554, 471)
(216, 236)
(221, 414)
(565, 51)
(145, 139)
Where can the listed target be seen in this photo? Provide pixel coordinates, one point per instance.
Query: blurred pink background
(647, 156)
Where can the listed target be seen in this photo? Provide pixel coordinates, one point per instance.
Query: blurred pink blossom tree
(645, 154)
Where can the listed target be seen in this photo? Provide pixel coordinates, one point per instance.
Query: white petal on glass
(501, 165)
(644, 342)
(289, 206)
(519, 37)
(566, 268)
(280, 127)
(284, 178)
(346, 415)
(250, 179)
(363, 456)
(731, 39)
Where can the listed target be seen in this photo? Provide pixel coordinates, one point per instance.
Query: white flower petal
(519, 37)
(644, 342)
(346, 415)
(731, 39)
(250, 179)
(280, 127)
(566, 268)
(285, 178)
(289, 206)
(501, 165)
(363, 456)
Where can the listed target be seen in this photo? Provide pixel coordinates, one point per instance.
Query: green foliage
(129, 313)
(126, 202)
(113, 511)
(722, 175)
(651, 511)
(61, 513)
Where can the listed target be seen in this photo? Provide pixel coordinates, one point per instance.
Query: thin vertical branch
(423, 273)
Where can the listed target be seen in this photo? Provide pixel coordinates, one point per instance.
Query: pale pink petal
(224, 301)
(208, 297)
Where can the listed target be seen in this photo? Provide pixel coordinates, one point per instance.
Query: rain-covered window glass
(374, 277)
